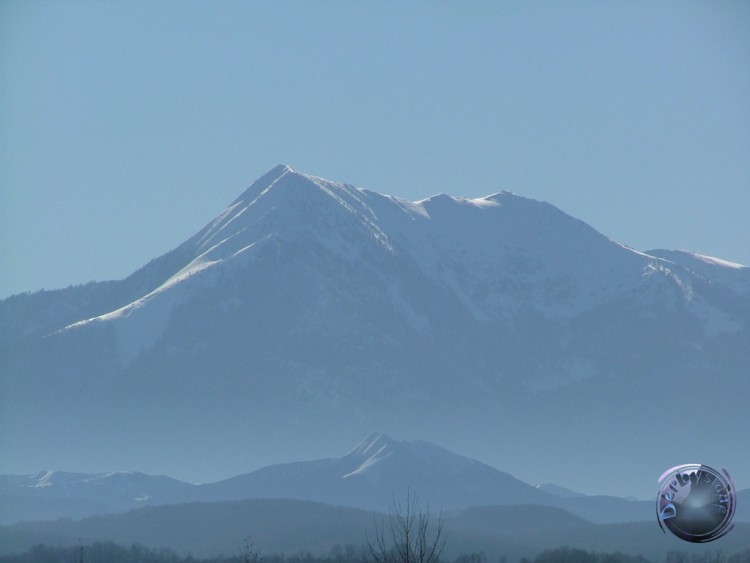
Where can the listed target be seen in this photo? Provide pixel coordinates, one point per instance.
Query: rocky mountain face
(309, 312)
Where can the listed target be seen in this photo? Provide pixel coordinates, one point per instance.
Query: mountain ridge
(387, 469)
(284, 526)
(371, 476)
(238, 232)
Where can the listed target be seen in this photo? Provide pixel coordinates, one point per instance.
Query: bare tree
(411, 538)
(249, 553)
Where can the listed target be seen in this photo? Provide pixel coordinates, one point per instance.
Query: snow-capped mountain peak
(498, 256)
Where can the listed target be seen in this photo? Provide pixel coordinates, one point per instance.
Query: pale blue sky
(126, 126)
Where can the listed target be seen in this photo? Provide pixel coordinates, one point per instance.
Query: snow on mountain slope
(139, 324)
(730, 274)
(282, 204)
(504, 253)
(125, 485)
(49, 495)
(500, 256)
(379, 470)
(718, 290)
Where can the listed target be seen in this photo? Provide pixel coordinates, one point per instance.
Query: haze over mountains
(289, 526)
(309, 312)
(371, 476)
(511, 519)
(484, 509)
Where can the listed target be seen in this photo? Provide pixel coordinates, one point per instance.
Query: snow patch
(382, 453)
(717, 261)
(139, 325)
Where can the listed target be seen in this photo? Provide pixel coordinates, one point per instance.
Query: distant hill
(288, 526)
(370, 476)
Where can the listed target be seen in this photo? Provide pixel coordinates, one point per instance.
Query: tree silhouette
(411, 538)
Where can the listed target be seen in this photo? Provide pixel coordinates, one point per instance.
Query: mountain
(381, 471)
(48, 495)
(374, 475)
(309, 312)
(378, 472)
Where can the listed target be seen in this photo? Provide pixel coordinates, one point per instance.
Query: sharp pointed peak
(275, 173)
(264, 182)
(281, 169)
(284, 169)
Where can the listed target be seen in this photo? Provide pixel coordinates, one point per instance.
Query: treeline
(109, 552)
